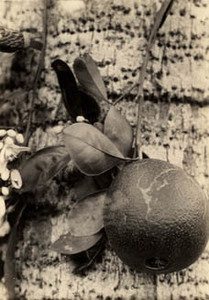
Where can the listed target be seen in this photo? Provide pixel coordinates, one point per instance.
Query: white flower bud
(11, 133)
(5, 191)
(20, 138)
(9, 141)
(1, 145)
(80, 119)
(5, 175)
(4, 229)
(2, 132)
(2, 207)
(16, 179)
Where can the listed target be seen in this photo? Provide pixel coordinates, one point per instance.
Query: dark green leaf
(89, 77)
(99, 126)
(90, 108)
(68, 244)
(42, 166)
(119, 131)
(85, 187)
(86, 259)
(86, 216)
(69, 89)
(76, 101)
(103, 181)
(92, 152)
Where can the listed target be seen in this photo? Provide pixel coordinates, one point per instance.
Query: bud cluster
(10, 147)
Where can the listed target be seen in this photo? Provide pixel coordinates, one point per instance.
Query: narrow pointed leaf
(92, 152)
(89, 77)
(69, 89)
(119, 131)
(164, 11)
(86, 216)
(42, 166)
(68, 244)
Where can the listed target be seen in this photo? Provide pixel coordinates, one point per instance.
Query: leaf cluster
(97, 148)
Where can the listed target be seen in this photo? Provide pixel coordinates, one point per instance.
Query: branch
(37, 75)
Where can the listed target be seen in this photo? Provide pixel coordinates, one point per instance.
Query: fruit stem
(159, 20)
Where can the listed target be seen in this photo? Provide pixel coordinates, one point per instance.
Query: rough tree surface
(175, 127)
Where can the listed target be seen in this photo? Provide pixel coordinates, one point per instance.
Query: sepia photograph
(104, 150)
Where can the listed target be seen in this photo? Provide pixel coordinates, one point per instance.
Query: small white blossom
(8, 140)
(2, 207)
(11, 133)
(5, 174)
(4, 229)
(16, 179)
(8, 152)
(2, 132)
(5, 191)
(19, 138)
(80, 119)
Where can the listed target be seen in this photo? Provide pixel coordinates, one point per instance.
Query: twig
(126, 92)
(37, 75)
(135, 85)
(160, 18)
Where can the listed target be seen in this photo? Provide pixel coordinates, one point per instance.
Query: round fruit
(156, 217)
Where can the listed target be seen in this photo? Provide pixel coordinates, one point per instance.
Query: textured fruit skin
(156, 217)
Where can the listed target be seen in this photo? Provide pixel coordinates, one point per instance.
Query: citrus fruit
(156, 217)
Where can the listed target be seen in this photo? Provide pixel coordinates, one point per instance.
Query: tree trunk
(174, 128)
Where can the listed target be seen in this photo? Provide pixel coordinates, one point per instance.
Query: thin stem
(159, 20)
(37, 75)
(126, 92)
(140, 100)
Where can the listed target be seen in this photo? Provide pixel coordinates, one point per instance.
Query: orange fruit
(156, 217)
